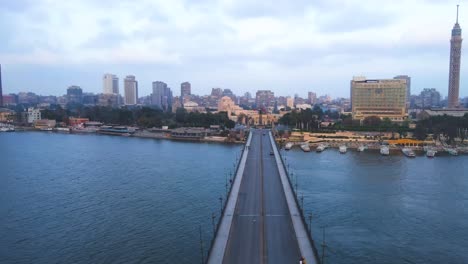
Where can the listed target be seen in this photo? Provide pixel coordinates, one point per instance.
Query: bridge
(261, 221)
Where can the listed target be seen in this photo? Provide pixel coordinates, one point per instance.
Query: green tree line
(142, 117)
(449, 127)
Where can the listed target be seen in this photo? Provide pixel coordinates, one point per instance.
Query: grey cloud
(279, 8)
(16, 5)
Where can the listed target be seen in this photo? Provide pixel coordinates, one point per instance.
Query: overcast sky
(285, 46)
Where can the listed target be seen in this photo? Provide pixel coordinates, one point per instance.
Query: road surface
(262, 230)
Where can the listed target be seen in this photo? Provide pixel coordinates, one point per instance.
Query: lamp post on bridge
(213, 217)
(302, 203)
(296, 185)
(221, 205)
(310, 223)
(226, 184)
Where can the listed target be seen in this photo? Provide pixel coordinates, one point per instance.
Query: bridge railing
(220, 218)
(301, 211)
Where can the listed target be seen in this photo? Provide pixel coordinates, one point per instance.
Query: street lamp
(310, 223)
(302, 203)
(213, 217)
(221, 204)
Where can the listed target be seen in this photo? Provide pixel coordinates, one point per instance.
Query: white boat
(320, 148)
(63, 129)
(452, 151)
(384, 150)
(361, 148)
(343, 149)
(305, 147)
(288, 146)
(408, 152)
(430, 153)
(6, 128)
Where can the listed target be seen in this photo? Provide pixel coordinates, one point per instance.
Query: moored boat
(430, 153)
(452, 151)
(63, 129)
(384, 150)
(320, 148)
(115, 130)
(305, 147)
(288, 146)
(361, 148)
(343, 149)
(408, 152)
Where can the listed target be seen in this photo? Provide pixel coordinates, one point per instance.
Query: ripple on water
(102, 199)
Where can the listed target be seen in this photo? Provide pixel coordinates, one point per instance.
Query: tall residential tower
(131, 90)
(110, 84)
(454, 71)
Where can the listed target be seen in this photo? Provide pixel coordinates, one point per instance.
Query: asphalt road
(261, 231)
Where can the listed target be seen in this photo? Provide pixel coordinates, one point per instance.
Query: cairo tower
(454, 72)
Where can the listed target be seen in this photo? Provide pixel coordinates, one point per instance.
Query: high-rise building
(185, 89)
(110, 84)
(1, 91)
(265, 98)
(430, 97)
(408, 86)
(217, 92)
(454, 71)
(290, 102)
(162, 96)
(131, 90)
(311, 98)
(382, 98)
(74, 94)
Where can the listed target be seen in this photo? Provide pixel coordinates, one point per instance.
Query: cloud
(268, 44)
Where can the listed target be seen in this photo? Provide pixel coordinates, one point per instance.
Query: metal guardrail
(226, 199)
(301, 211)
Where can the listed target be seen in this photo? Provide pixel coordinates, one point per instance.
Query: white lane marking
(256, 215)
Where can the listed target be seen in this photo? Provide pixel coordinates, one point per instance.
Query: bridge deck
(261, 230)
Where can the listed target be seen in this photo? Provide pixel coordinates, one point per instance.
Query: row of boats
(384, 149)
(6, 128)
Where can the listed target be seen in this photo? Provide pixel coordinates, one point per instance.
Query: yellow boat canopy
(406, 142)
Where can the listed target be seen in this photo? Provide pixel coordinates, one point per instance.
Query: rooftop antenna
(457, 13)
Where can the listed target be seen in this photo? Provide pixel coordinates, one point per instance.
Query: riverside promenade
(261, 222)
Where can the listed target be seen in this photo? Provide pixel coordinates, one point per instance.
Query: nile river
(104, 199)
(378, 209)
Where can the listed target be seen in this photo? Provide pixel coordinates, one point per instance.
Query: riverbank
(137, 134)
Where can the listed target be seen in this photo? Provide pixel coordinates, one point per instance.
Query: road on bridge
(262, 230)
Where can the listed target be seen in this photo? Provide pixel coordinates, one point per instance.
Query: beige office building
(380, 97)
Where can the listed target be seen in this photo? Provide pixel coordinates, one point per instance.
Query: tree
(180, 115)
(420, 132)
(372, 121)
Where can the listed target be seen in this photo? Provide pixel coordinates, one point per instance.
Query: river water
(105, 199)
(377, 209)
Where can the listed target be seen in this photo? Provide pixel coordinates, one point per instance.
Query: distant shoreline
(219, 140)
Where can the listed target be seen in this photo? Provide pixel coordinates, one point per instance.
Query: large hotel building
(378, 97)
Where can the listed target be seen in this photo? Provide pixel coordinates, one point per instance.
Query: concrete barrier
(218, 248)
(302, 236)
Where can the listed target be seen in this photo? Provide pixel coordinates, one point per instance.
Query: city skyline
(254, 46)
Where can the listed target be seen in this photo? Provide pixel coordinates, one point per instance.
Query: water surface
(105, 199)
(378, 209)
